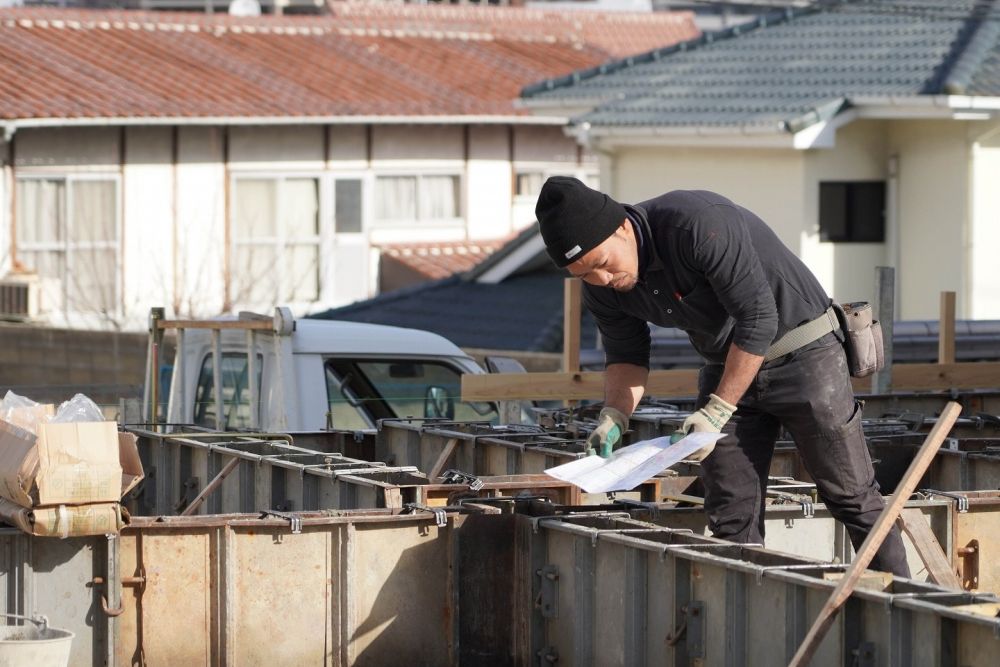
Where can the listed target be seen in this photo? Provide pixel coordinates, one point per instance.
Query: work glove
(710, 419)
(611, 424)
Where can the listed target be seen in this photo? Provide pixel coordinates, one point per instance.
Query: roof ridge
(984, 38)
(769, 19)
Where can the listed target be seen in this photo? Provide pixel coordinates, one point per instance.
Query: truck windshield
(386, 389)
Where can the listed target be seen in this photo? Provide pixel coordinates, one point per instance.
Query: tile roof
(440, 260)
(791, 68)
(523, 312)
(362, 60)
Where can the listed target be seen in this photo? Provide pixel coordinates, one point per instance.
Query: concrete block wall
(50, 365)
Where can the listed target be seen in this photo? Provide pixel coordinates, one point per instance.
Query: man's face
(614, 263)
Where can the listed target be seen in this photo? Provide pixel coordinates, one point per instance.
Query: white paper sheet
(630, 466)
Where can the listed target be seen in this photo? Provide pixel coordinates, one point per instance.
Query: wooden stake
(449, 448)
(877, 535)
(571, 325)
(946, 329)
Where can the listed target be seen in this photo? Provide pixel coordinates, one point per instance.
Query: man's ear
(625, 228)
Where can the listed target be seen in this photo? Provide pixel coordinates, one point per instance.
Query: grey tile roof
(523, 312)
(788, 69)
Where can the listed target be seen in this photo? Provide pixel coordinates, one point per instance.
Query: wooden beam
(449, 449)
(211, 486)
(946, 329)
(906, 486)
(571, 325)
(929, 549)
(568, 386)
(259, 325)
(589, 385)
(979, 375)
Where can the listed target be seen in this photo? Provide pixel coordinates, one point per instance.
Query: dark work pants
(809, 393)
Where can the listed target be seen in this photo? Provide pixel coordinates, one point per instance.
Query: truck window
(406, 389)
(235, 395)
(346, 410)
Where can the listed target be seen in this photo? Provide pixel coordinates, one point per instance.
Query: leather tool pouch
(862, 338)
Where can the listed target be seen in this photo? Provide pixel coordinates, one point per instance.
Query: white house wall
(174, 185)
(934, 187)
(984, 238)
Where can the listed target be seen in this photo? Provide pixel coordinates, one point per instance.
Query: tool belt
(862, 337)
(804, 334)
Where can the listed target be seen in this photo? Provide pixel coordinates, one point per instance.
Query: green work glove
(710, 419)
(611, 424)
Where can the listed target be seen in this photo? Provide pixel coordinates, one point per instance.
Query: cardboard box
(74, 463)
(66, 520)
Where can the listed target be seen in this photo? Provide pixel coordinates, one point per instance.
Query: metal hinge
(548, 591)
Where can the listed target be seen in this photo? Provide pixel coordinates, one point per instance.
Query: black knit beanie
(575, 219)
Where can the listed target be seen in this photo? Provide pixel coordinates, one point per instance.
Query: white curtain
(300, 218)
(396, 198)
(438, 197)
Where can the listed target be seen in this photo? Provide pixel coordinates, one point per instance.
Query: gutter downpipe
(9, 198)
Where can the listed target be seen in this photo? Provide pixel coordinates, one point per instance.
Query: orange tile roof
(443, 259)
(362, 60)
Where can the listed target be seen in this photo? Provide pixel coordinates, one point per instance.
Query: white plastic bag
(78, 409)
(21, 411)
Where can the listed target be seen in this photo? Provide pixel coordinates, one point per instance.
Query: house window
(276, 241)
(67, 231)
(852, 212)
(528, 183)
(420, 197)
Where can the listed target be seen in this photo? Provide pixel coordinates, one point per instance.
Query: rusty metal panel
(399, 600)
(278, 594)
(169, 618)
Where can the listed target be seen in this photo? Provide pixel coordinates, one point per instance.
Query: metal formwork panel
(728, 604)
(170, 614)
(31, 565)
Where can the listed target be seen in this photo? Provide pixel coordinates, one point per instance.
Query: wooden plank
(946, 329)
(449, 449)
(259, 325)
(684, 382)
(877, 535)
(929, 549)
(211, 486)
(572, 301)
(915, 377)
(569, 386)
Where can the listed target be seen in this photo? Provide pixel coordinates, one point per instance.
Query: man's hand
(611, 424)
(710, 418)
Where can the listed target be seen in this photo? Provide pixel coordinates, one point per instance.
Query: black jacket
(715, 270)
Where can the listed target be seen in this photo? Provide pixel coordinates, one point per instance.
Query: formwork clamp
(440, 516)
(961, 502)
(293, 520)
(453, 476)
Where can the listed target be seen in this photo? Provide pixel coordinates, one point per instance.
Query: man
(764, 325)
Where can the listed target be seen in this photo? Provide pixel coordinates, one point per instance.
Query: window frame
(279, 243)
(395, 223)
(66, 246)
(588, 175)
(849, 223)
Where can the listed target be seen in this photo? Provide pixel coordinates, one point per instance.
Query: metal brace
(440, 516)
(800, 566)
(807, 505)
(652, 508)
(293, 519)
(453, 476)
(961, 502)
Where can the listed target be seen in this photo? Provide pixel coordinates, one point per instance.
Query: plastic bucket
(34, 644)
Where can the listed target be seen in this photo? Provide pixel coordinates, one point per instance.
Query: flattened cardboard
(78, 463)
(66, 520)
(18, 464)
(128, 457)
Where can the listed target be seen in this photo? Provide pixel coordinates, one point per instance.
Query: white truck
(309, 374)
